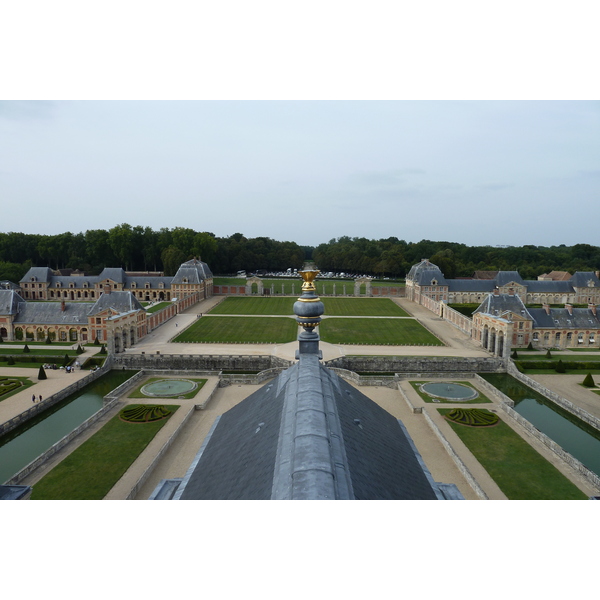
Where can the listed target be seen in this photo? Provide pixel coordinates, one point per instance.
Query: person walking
(33, 398)
(40, 398)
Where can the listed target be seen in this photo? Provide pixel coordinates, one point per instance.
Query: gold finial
(309, 276)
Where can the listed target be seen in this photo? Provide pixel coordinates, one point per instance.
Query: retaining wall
(195, 362)
(46, 403)
(423, 366)
(554, 397)
(558, 450)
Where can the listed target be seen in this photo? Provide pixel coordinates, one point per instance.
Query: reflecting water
(576, 437)
(26, 443)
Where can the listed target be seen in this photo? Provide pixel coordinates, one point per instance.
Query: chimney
(63, 306)
(107, 288)
(592, 307)
(546, 307)
(496, 292)
(569, 308)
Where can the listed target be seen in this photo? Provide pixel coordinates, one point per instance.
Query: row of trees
(144, 249)
(394, 257)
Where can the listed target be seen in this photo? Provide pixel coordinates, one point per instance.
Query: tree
(589, 381)
(42, 374)
(26, 349)
(122, 243)
(172, 258)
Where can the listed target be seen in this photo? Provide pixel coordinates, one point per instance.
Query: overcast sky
(504, 172)
(244, 117)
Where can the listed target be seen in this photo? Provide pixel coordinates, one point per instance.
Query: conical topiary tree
(548, 355)
(96, 341)
(10, 360)
(514, 355)
(560, 367)
(48, 339)
(66, 360)
(530, 346)
(589, 381)
(103, 349)
(42, 373)
(26, 349)
(79, 350)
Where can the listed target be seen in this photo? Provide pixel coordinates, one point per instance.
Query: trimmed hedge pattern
(475, 417)
(9, 385)
(144, 413)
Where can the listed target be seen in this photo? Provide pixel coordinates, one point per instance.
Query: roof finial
(308, 310)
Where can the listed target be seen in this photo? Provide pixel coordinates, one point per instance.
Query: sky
(474, 172)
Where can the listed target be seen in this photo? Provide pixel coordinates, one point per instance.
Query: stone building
(427, 280)
(503, 321)
(42, 283)
(115, 318)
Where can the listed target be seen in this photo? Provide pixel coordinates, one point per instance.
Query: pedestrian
(33, 398)
(40, 398)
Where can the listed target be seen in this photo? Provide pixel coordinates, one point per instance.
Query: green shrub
(475, 417)
(26, 349)
(48, 339)
(66, 361)
(96, 341)
(560, 367)
(11, 360)
(79, 350)
(548, 355)
(589, 381)
(514, 355)
(103, 349)
(42, 374)
(530, 346)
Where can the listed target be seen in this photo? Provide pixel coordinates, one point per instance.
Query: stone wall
(54, 399)
(194, 362)
(384, 290)
(552, 445)
(419, 365)
(462, 322)
(553, 397)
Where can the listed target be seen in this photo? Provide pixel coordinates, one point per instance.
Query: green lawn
(157, 307)
(37, 351)
(90, 471)
(137, 393)
(520, 471)
(362, 307)
(396, 332)
(236, 330)
(7, 386)
(271, 305)
(255, 306)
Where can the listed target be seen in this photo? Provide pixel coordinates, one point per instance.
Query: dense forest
(144, 249)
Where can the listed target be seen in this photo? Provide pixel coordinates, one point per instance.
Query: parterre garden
(13, 385)
(91, 470)
(392, 327)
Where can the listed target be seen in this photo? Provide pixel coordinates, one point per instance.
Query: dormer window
(433, 282)
(161, 285)
(185, 280)
(58, 284)
(133, 285)
(33, 279)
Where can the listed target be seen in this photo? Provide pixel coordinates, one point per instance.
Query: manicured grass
(255, 306)
(520, 471)
(6, 386)
(90, 471)
(362, 307)
(157, 307)
(19, 344)
(395, 332)
(236, 330)
(37, 351)
(270, 305)
(137, 393)
(481, 399)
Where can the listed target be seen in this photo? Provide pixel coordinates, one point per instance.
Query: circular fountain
(167, 388)
(456, 392)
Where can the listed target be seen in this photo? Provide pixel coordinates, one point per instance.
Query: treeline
(393, 257)
(144, 249)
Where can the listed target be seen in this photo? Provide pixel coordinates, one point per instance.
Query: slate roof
(470, 285)
(122, 302)
(51, 313)
(505, 277)
(195, 271)
(584, 278)
(41, 274)
(9, 302)
(501, 304)
(309, 435)
(115, 274)
(549, 287)
(559, 318)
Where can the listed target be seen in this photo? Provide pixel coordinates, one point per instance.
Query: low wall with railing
(46, 403)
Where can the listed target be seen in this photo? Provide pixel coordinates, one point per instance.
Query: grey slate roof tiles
(51, 313)
(9, 302)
